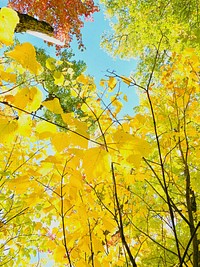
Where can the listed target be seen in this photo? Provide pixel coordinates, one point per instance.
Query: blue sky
(98, 61)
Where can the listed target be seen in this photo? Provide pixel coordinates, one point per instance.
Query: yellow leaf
(61, 141)
(78, 141)
(8, 22)
(52, 159)
(28, 98)
(50, 63)
(48, 209)
(108, 224)
(25, 123)
(97, 245)
(20, 184)
(84, 244)
(102, 82)
(58, 78)
(53, 105)
(38, 225)
(67, 205)
(86, 108)
(99, 163)
(59, 254)
(125, 98)
(25, 55)
(82, 263)
(76, 180)
(59, 62)
(81, 128)
(68, 119)
(34, 198)
(45, 129)
(132, 148)
(112, 82)
(8, 77)
(69, 63)
(7, 130)
(117, 104)
(126, 80)
(82, 79)
(97, 263)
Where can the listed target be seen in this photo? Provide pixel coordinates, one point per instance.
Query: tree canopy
(85, 185)
(139, 25)
(66, 17)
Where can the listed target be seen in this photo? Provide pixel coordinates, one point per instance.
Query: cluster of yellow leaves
(59, 76)
(111, 83)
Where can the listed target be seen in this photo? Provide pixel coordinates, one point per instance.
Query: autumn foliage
(101, 189)
(66, 17)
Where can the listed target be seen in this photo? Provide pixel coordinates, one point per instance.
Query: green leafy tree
(139, 25)
(138, 28)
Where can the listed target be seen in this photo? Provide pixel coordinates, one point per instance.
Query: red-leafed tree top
(65, 16)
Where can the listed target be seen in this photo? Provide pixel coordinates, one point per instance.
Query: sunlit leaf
(7, 76)
(45, 129)
(53, 105)
(112, 82)
(25, 55)
(82, 79)
(8, 129)
(28, 98)
(126, 80)
(102, 82)
(59, 78)
(50, 63)
(61, 141)
(8, 22)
